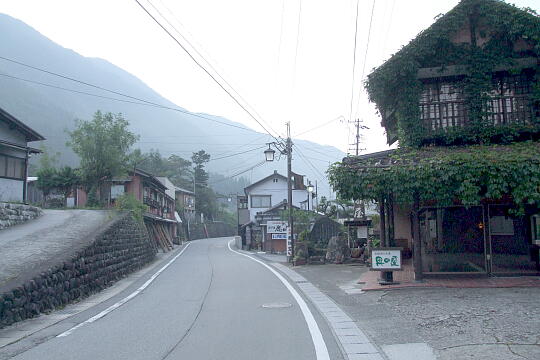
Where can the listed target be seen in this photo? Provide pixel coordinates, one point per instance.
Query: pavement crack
(166, 355)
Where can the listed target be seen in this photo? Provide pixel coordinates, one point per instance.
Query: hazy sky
(253, 44)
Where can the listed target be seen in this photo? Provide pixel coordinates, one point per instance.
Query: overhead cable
(204, 69)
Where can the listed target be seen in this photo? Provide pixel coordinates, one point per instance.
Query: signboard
(289, 244)
(386, 259)
(276, 227)
(279, 236)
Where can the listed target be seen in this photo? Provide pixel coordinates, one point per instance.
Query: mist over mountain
(52, 111)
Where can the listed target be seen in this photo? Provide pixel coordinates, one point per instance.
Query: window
(442, 103)
(442, 106)
(275, 180)
(117, 190)
(510, 100)
(261, 201)
(12, 167)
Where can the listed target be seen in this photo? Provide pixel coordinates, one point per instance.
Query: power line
(204, 69)
(240, 173)
(368, 39)
(138, 101)
(239, 153)
(320, 126)
(354, 58)
(309, 162)
(297, 42)
(204, 58)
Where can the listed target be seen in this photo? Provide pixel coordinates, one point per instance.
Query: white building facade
(272, 190)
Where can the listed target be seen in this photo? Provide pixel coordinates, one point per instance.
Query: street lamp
(269, 154)
(310, 191)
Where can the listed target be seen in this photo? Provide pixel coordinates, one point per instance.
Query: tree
(204, 196)
(46, 181)
(102, 145)
(65, 181)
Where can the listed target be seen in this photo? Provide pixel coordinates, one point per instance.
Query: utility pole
(289, 189)
(358, 137)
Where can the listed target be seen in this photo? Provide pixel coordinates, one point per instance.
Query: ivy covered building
(463, 102)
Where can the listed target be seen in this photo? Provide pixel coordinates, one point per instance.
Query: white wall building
(272, 190)
(14, 154)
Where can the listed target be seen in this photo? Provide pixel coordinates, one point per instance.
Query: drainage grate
(277, 305)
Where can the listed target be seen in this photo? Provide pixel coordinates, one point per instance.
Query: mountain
(53, 111)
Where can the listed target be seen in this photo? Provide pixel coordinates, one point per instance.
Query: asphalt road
(210, 303)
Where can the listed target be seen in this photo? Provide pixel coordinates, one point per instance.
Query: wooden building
(463, 188)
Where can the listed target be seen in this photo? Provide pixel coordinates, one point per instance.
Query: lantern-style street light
(269, 153)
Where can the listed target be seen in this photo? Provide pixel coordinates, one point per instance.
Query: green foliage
(205, 198)
(396, 90)
(102, 145)
(175, 168)
(446, 176)
(65, 180)
(46, 181)
(128, 202)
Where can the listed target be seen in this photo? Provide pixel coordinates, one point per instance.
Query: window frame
(251, 197)
(6, 170)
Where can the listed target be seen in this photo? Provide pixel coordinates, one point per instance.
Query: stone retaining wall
(215, 230)
(118, 250)
(13, 214)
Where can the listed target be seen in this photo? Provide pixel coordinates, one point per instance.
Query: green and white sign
(386, 259)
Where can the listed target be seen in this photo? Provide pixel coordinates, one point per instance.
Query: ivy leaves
(446, 176)
(395, 89)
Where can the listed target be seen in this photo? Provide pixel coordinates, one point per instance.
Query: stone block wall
(13, 214)
(118, 250)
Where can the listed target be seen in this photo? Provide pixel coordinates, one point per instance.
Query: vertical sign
(289, 243)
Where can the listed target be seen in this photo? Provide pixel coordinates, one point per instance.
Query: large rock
(338, 249)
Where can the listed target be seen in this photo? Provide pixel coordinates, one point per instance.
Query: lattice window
(441, 106)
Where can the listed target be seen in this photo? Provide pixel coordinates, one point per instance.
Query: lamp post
(285, 148)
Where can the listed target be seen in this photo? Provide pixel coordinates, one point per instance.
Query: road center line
(124, 300)
(321, 351)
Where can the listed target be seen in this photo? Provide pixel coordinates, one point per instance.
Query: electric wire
(240, 173)
(204, 69)
(297, 42)
(309, 162)
(239, 153)
(320, 125)
(208, 63)
(138, 102)
(354, 60)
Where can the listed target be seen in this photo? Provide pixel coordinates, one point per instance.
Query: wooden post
(417, 242)
(382, 222)
(390, 215)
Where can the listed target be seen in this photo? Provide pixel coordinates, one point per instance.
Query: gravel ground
(30, 247)
(501, 323)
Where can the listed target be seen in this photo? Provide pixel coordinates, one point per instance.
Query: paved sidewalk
(30, 247)
(405, 279)
(448, 323)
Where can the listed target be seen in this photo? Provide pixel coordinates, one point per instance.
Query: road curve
(208, 304)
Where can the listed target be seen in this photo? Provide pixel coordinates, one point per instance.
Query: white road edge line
(321, 351)
(124, 300)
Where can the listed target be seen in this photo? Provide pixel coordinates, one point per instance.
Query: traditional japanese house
(462, 100)
(14, 155)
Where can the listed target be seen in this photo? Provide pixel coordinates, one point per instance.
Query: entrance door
(512, 250)
(453, 240)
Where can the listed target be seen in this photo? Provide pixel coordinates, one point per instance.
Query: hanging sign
(386, 259)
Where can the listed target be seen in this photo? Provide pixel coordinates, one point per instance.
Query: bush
(128, 202)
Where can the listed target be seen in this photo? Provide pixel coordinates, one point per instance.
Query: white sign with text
(276, 227)
(386, 259)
